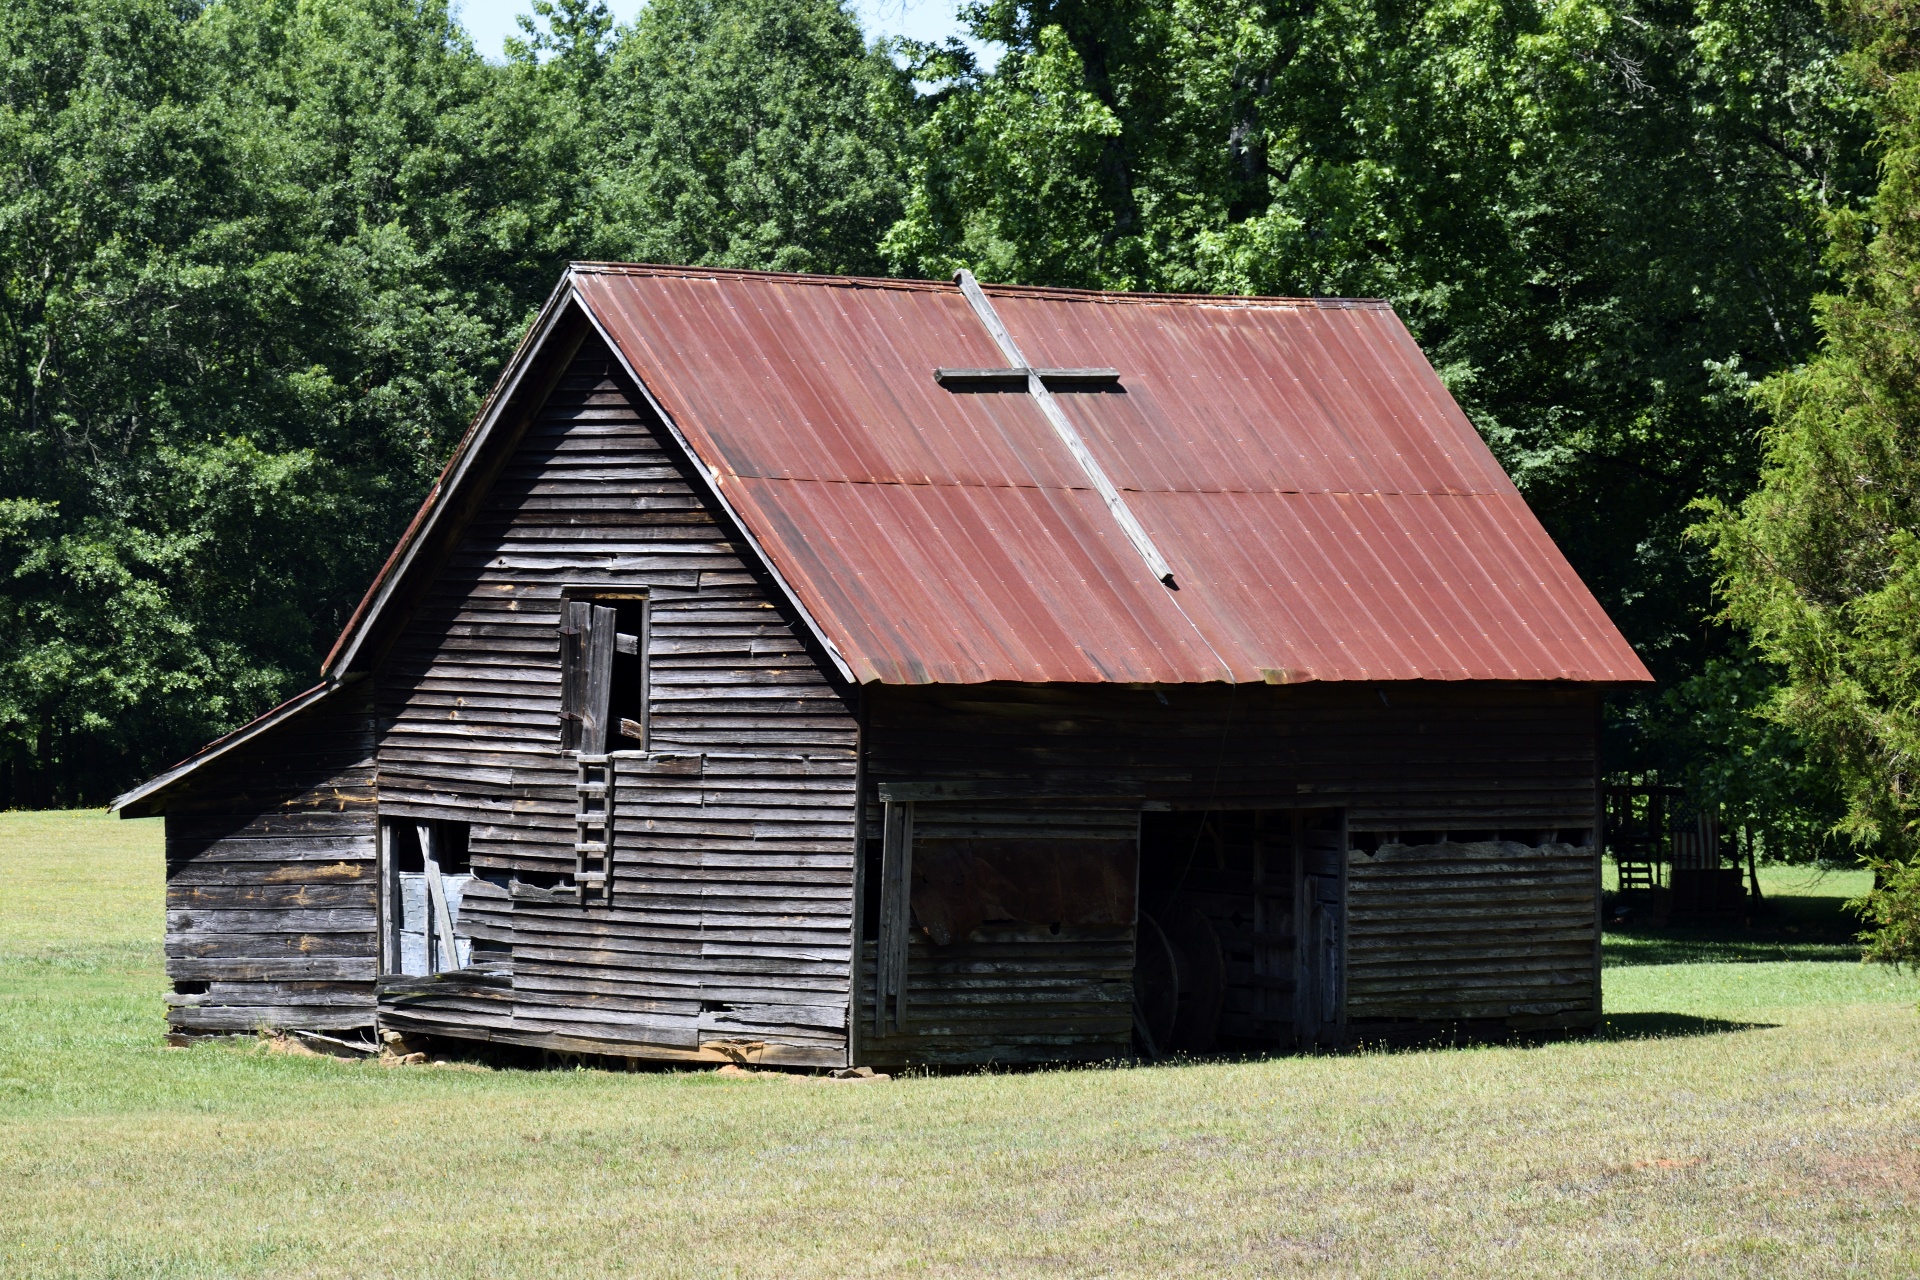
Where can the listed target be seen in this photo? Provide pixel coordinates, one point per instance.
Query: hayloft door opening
(604, 700)
(1241, 941)
(424, 874)
(603, 663)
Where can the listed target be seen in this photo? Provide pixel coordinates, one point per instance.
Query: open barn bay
(1747, 1115)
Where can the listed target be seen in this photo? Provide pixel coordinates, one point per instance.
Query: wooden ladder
(593, 812)
(1638, 874)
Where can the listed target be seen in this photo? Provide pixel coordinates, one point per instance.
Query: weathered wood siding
(1053, 984)
(1442, 756)
(1488, 931)
(1010, 993)
(271, 879)
(732, 902)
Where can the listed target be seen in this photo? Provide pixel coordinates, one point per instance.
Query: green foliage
(1892, 913)
(1822, 561)
(258, 262)
(259, 259)
(1712, 735)
(750, 133)
(252, 277)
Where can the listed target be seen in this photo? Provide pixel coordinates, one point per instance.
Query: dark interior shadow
(1670, 1026)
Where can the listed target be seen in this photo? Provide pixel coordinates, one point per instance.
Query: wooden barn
(824, 672)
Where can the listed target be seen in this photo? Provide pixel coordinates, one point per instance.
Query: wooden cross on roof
(1040, 384)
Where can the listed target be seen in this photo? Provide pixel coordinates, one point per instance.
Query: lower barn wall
(1010, 993)
(1491, 932)
(272, 880)
(1481, 926)
(625, 981)
(1025, 950)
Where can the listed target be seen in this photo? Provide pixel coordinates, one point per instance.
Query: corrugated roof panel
(829, 383)
(1259, 397)
(1329, 512)
(997, 583)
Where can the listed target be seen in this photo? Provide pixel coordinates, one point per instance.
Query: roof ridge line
(1088, 488)
(914, 284)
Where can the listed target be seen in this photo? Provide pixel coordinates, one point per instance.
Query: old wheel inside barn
(1241, 940)
(1179, 981)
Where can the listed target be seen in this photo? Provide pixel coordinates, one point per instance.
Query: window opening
(604, 659)
(426, 869)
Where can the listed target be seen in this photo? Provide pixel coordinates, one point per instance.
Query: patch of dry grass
(1785, 1147)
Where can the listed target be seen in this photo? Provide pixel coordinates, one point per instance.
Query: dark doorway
(1242, 934)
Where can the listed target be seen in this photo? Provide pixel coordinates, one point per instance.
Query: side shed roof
(1328, 510)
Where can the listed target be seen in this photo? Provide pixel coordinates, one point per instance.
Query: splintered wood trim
(437, 895)
(596, 706)
(590, 591)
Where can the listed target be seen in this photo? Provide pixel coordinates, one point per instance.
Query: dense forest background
(259, 260)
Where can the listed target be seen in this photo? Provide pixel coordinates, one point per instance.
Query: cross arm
(1015, 379)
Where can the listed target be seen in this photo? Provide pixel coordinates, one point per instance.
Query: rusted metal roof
(1328, 511)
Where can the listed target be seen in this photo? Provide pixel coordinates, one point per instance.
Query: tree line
(259, 260)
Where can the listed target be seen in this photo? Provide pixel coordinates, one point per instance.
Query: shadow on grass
(1670, 1026)
(1784, 928)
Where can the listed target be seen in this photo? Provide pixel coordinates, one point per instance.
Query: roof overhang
(143, 801)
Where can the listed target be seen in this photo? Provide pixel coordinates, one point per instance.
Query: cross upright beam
(1036, 383)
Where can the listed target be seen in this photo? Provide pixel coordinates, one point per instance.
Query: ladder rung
(590, 788)
(590, 819)
(590, 877)
(593, 760)
(600, 848)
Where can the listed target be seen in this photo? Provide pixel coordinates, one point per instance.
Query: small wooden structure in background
(818, 672)
(1661, 845)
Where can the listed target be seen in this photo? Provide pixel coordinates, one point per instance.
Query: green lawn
(1742, 1117)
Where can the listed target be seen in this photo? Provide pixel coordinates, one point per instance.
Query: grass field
(1754, 1109)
